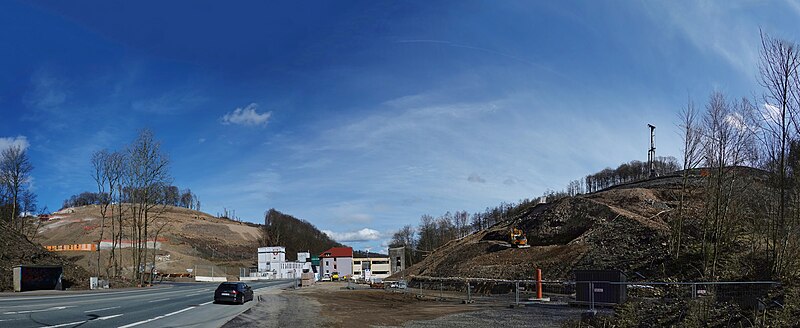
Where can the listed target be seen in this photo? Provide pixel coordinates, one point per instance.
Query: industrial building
(272, 263)
(371, 268)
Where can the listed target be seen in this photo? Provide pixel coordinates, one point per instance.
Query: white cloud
(365, 234)
(20, 141)
(201, 140)
(737, 121)
(246, 116)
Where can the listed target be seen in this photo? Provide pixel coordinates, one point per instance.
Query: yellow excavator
(518, 238)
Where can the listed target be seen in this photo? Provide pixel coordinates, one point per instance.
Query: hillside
(626, 227)
(15, 249)
(188, 238)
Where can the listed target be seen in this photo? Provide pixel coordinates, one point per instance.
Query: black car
(234, 292)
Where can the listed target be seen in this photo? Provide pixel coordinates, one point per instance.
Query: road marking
(42, 310)
(206, 303)
(1, 320)
(103, 309)
(156, 318)
(159, 300)
(109, 317)
(67, 324)
(84, 321)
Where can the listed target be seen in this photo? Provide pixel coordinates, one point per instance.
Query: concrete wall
(210, 279)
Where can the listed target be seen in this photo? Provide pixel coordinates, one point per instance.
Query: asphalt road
(175, 305)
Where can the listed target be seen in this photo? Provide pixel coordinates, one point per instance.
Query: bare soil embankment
(15, 250)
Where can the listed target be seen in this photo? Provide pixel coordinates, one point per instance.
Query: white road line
(42, 310)
(2, 320)
(159, 300)
(68, 324)
(109, 317)
(206, 303)
(103, 309)
(35, 297)
(84, 321)
(156, 318)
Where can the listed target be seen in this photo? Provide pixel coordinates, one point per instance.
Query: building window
(380, 262)
(327, 263)
(334, 266)
(357, 272)
(380, 272)
(356, 262)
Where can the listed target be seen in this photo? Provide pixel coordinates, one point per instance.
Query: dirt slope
(622, 228)
(15, 250)
(189, 238)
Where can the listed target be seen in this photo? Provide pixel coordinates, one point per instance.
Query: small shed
(603, 287)
(37, 277)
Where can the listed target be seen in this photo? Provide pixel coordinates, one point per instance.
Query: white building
(272, 263)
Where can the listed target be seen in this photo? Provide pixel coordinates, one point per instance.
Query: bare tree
(778, 68)
(691, 134)
(147, 175)
(726, 144)
(15, 170)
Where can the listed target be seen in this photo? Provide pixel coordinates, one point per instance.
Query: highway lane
(178, 305)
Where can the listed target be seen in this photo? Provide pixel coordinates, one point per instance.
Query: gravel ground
(371, 308)
(276, 309)
(507, 317)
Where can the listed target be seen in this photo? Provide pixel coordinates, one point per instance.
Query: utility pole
(651, 154)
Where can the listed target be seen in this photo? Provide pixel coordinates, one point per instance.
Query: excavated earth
(15, 250)
(622, 228)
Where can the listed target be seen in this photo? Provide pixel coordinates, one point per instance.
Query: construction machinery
(518, 238)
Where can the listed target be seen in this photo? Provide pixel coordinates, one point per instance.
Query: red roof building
(338, 252)
(337, 260)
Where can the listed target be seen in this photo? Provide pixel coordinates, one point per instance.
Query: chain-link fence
(747, 295)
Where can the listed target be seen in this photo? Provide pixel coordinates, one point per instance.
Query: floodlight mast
(651, 154)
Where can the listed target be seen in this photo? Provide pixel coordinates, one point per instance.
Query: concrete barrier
(254, 279)
(210, 279)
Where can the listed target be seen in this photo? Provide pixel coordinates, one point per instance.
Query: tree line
(760, 132)
(165, 195)
(296, 235)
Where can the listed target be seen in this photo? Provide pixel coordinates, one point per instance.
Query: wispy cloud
(18, 141)
(247, 116)
(365, 234)
(46, 91)
(714, 28)
(474, 177)
(174, 101)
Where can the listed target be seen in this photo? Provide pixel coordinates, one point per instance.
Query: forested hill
(295, 234)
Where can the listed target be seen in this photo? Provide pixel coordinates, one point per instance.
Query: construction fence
(752, 297)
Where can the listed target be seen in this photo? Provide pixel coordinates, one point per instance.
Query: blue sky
(362, 116)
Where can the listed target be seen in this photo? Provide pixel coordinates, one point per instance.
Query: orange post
(539, 283)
